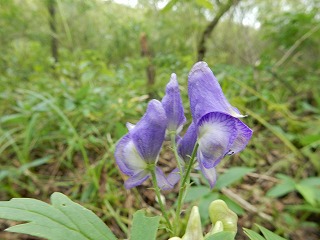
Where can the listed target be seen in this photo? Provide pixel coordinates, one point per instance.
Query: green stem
(157, 191)
(176, 155)
(183, 187)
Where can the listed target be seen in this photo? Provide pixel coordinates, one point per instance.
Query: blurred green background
(73, 72)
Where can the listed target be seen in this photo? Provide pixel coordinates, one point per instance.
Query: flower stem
(183, 187)
(174, 147)
(157, 191)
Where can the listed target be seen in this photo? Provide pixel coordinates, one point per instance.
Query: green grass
(59, 123)
(61, 135)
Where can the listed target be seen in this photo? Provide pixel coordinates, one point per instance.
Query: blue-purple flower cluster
(215, 127)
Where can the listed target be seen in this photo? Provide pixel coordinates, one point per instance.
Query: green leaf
(15, 172)
(62, 219)
(197, 192)
(35, 163)
(284, 177)
(232, 175)
(309, 139)
(307, 192)
(305, 208)
(221, 236)
(282, 188)
(233, 205)
(312, 181)
(144, 227)
(13, 118)
(169, 5)
(253, 235)
(269, 235)
(205, 3)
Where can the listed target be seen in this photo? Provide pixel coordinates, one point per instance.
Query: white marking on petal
(216, 133)
(132, 158)
(233, 113)
(130, 126)
(214, 139)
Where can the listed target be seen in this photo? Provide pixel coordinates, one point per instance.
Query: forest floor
(249, 194)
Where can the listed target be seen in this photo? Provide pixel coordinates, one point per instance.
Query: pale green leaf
(304, 207)
(13, 118)
(169, 5)
(197, 192)
(205, 3)
(284, 177)
(312, 181)
(63, 219)
(144, 227)
(253, 235)
(281, 189)
(231, 176)
(269, 235)
(307, 192)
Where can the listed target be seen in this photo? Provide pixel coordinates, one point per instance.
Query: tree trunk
(150, 69)
(206, 34)
(52, 21)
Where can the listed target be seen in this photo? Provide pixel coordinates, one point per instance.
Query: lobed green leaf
(144, 227)
(63, 219)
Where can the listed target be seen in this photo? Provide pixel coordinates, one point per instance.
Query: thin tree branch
(297, 43)
(206, 34)
(52, 21)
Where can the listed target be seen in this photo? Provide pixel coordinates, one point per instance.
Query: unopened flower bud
(220, 213)
(194, 229)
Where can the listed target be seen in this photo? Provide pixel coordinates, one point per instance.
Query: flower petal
(130, 126)
(167, 183)
(216, 134)
(136, 179)
(149, 133)
(187, 143)
(244, 133)
(172, 104)
(209, 173)
(127, 156)
(205, 93)
(173, 177)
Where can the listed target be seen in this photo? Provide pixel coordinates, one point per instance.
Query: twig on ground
(262, 177)
(246, 205)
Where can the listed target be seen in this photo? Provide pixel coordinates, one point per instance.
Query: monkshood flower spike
(217, 127)
(137, 152)
(172, 104)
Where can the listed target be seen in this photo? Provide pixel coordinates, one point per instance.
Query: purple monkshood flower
(139, 149)
(205, 93)
(172, 104)
(216, 126)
